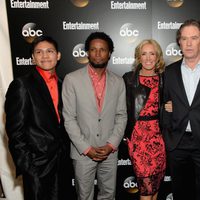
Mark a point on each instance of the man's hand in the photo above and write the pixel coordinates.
(169, 106)
(96, 154)
(99, 153)
(105, 150)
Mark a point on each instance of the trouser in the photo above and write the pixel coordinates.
(184, 164)
(85, 173)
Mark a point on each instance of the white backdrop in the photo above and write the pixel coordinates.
(11, 186)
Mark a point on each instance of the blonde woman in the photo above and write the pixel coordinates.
(144, 101)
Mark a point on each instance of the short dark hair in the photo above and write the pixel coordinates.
(42, 38)
(189, 22)
(102, 36)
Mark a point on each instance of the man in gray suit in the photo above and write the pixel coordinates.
(95, 118)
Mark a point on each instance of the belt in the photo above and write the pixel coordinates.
(147, 118)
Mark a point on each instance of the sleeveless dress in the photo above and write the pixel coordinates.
(146, 146)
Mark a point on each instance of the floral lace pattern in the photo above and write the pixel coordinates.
(146, 146)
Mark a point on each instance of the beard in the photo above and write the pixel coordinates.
(99, 65)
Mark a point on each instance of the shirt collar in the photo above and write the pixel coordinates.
(47, 76)
(93, 73)
(186, 67)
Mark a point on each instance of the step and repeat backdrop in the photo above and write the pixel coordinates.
(127, 23)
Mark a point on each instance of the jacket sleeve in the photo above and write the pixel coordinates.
(17, 112)
(130, 121)
(166, 116)
(128, 102)
(70, 116)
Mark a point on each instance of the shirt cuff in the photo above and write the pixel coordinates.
(113, 148)
(86, 151)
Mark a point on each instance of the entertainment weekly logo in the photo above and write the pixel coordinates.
(21, 61)
(168, 25)
(73, 182)
(116, 5)
(30, 32)
(79, 54)
(29, 4)
(129, 32)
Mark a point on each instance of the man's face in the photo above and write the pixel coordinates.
(190, 42)
(98, 53)
(45, 56)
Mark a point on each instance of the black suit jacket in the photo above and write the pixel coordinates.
(175, 123)
(35, 135)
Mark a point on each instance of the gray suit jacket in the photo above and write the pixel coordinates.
(85, 125)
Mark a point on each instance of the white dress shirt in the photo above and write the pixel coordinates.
(190, 80)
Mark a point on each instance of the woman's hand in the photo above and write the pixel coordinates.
(168, 106)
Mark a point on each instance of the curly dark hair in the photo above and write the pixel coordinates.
(102, 36)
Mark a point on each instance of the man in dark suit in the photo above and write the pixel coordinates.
(182, 126)
(34, 124)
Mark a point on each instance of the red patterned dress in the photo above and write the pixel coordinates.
(146, 147)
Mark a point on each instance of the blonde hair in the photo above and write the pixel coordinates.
(160, 61)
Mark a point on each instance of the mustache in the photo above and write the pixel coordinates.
(99, 65)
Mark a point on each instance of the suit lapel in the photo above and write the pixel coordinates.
(89, 87)
(196, 95)
(181, 89)
(108, 89)
(60, 104)
(44, 91)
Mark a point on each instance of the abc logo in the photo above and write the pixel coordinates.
(79, 54)
(127, 30)
(80, 3)
(175, 3)
(78, 51)
(173, 52)
(169, 197)
(130, 185)
(30, 32)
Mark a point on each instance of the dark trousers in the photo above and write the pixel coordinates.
(184, 164)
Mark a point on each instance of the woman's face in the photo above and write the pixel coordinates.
(148, 58)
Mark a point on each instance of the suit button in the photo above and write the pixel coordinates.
(99, 120)
(97, 135)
